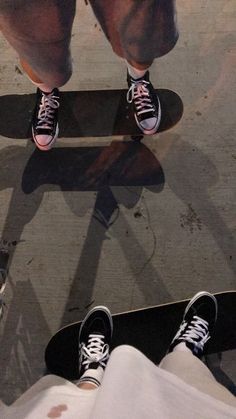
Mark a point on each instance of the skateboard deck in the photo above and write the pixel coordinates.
(94, 113)
(150, 330)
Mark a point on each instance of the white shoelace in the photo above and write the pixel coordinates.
(139, 93)
(197, 329)
(46, 111)
(95, 351)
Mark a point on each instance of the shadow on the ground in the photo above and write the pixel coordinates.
(25, 334)
(191, 181)
(213, 362)
(117, 174)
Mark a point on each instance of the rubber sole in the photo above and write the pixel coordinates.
(48, 146)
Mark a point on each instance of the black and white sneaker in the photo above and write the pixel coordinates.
(145, 102)
(45, 119)
(198, 323)
(94, 343)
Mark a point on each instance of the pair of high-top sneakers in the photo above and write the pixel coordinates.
(96, 333)
(141, 94)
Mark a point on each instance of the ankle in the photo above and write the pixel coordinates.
(91, 378)
(87, 386)
(136, 73)
(181, 347)
(44, 87)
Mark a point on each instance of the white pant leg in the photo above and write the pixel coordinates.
(195, 373)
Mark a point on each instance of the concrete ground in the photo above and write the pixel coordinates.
(135, 244)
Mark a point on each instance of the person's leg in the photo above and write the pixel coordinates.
(45, 87)
(195, 373)
(44, 383)
(40, 33)
(94, 343)
(28, 70)
(139, 31)
(188, 346)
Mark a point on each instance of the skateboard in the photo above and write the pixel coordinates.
(94, 113)
(150, 330)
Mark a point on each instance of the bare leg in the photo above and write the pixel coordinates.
(191, 370)
(35, 79)
(87, 386)
(26, 67)
(141, 67)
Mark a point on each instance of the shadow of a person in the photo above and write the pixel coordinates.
(191, 180)
(117, 174)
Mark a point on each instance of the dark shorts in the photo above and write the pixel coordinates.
(138, 30)
(40, 31)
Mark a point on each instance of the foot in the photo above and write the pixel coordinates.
(198, 323)
(146, 104)
(94, 343)
(45, 119)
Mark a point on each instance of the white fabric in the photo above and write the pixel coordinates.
(132, 388)
(66, 400)
(196, 374)
(135, 73)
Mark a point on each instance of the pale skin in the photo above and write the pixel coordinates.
(33, 76)
(87, 386)
(26, 67)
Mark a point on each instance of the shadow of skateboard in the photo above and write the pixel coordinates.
(94, 113)
(150, 330)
